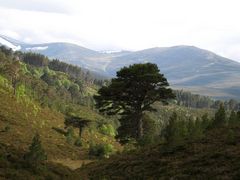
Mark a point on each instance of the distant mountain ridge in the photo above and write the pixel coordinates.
(186, 67)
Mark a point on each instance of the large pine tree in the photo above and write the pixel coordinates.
(131, 93)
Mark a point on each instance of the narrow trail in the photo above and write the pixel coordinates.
(72, 164)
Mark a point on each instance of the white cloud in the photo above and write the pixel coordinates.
(126, 24)
(55, 6)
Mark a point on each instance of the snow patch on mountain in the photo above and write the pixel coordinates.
(9, 44)
(110, 51)
(37, 48)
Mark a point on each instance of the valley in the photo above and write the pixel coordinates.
(56, 109)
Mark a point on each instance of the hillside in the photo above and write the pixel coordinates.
(36, 99)
(186, 67)
(213, 157)
(54, 100)
(189, 68)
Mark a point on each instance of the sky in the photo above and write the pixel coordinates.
(126, 24)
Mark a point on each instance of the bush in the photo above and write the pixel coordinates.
(36, 155)
(70, 135)
(108, 130)
(220, 117)
(7, 128)
(130, 145)
(78, 142)
(231, 137)
(101, 150)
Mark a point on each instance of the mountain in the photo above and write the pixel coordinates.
(186, 67)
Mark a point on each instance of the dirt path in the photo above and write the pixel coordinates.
(72, 164)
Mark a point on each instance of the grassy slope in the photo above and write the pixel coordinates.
(213, 157)
(18, 123)
(12, 166)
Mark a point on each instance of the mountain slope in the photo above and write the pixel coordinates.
(186, 67)
(189, 68)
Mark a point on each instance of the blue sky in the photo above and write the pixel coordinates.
(126, 24)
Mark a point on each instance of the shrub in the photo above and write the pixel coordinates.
(36, 155)
(78, 142)
(108, 130)
(220, 117)
(70, 135)
(175, 131)
(130, 145)
(231, 137)
(101, 150)
(7, 128)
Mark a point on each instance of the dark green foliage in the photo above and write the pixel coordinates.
(35, 59)
(70, 135)
(107, 129)
(220, 117)
(205, 121)
(178, 130)
(193, 100)
(198, 130)
(212, 157)
(151, 135)
(13, 166)
(36, 155)
(6, 129)
(233, 119)
(12, 71)
(191, 127)
(231, 137)
(77, 122)
(101, 150)
(175, 131)
(74, 90)
(127, 129)
(197, 101)
(50, 88)
(78, 142)
(238, 115)
(134, 90)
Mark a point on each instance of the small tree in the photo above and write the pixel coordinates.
(70, 135)
(12, 70)
(74, 90)
(220, 117)
(191, 127)
(205, 121)
(36, 155)
(176, 130)
(233, 119)
(231, 137)
(198, 129)
(170, 129)
(77, 122)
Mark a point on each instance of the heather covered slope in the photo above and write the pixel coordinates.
(216, 156)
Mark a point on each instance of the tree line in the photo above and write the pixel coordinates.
(188, 99)
(33, 74)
